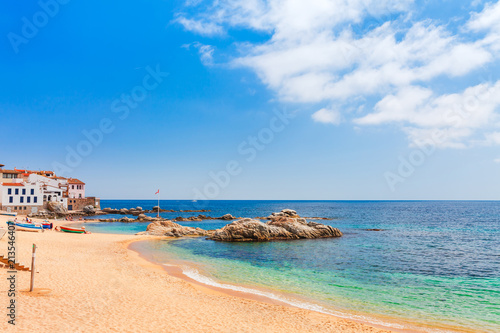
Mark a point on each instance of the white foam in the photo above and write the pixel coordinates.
(196, 275)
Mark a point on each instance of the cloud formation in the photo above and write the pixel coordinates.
(338, 52)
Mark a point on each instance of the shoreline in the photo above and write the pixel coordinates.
(93, 283)
(173, 269)
(177, 272)
(108, 285)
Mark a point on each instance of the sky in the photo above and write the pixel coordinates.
(254, 99)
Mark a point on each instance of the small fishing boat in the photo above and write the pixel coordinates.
(26, 226)
(73, 230)
(8, 213)
(44, 224)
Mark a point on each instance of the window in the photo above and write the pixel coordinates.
(80, 195)
(9, 191)
(24, 191)
(17, 191)
(10, 175)
(11, 199)
(28, 199)
(72, 187)
(35, 199)
(24, 207)
(21, 199)
(32, 191)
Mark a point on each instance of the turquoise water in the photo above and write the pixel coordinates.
(434, 263)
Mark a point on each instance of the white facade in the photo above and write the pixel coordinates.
(20, 197)
(53, 194)
(33, 191)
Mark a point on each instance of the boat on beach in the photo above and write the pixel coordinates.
(73, 230)
(26, 226)
(45, 224)
(8, 213)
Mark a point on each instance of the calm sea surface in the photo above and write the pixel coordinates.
(434, 262)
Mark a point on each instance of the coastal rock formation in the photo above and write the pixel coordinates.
(57, 208)
(90, 210)
(171, 229)
(144, 217)
(279, 228)
(284, 213)
(187, 219)
(227, 217)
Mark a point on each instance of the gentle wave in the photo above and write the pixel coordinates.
(197, 276)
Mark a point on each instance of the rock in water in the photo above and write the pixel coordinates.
(227, 217)
(171, 229)
(284, 213)
(280, 228)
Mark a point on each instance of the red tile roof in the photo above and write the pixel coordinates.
(9, 171)
(12, 184)
(75, 181)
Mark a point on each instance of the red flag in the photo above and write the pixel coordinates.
(157, 192)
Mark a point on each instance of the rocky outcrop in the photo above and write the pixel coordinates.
(138, 211)
(279, 228)
(57, 208)
(171, 229)
(284, 213)
(89, 210)
(187, 219)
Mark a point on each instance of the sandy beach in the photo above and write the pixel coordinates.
(93, 283)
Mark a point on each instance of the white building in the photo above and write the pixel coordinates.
(21, 198)
(25, 191)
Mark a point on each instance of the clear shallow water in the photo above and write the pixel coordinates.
(434, 262)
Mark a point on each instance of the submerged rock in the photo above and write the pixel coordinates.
(279, 228)
(172, 229)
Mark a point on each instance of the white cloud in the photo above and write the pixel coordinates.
(455, 116)
(321, 51)
(200, 27)
(488, 19)
(327, 116)
(206, 52)
(492, 139)
(497, 160)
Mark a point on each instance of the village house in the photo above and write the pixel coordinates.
(27, 191)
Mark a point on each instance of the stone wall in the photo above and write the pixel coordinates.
(79, 203)
(22, 210)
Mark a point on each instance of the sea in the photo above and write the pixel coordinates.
(429, 265)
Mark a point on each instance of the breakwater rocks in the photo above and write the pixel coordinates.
(172, 229)
(198, 218)
(138, 210)
(279, 228)
(145, 218)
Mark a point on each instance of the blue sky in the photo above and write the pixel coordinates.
(238, 99)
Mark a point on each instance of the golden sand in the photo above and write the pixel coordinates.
(93, 283)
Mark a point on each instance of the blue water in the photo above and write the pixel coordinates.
(434, 263)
